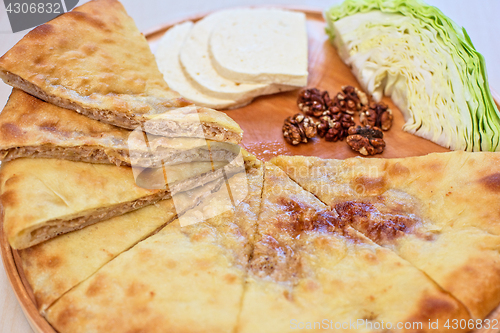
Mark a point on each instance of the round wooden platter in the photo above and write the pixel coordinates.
(261, 122)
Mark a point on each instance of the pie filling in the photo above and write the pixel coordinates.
(276, 254)
(118, 157)
(57, 227)
(79, 154)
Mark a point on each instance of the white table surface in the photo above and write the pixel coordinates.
(478, 17)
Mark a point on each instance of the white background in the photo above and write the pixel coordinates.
(479, 17)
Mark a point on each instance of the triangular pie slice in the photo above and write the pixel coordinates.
(94, 60)
(30, 127)
(440, 212)
(181, 279)
(309, 268)
(57, 265)
(63, 196)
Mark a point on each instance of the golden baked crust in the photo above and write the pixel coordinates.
(439, 212)
(181, 279)
(57, 265)
(308, 266)
(63, 196)
(94, 60)
(253, 269)
(28, 122)
(30, 127)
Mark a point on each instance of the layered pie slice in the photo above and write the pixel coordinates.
(182, 278)
(57, 265)
(63, 196)
(94, 60)
(438, 212)
(30, 127)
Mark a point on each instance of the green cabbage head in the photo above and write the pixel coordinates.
(412, 52)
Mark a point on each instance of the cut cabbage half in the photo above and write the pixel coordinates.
(412, 52)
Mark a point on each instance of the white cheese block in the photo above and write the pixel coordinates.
(196, 61)
(167, 57)
(261, 46)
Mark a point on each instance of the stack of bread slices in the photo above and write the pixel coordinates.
(92, 131)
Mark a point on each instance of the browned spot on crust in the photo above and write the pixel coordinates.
(9, 198)
(145, 254)
(312, 285)
(323, 243)
(40, 60)
(370, 257)
(230, 278)
(89, 49)
(41, 31)
(134, 289)
(171, 264)
(51, 262)
(370, 315)
(64, 317)
(97, 286)
(200, 236)
(288, 295)
(491, 182)
(369, 186)
(431, 307)
(435, 166)
(398, 170)
(203, 264)
(376, 225)
(9, 130)
(89, 19)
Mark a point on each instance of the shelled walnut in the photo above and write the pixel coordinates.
(334, 127)
(377, 114)
(299, 128)
(336, 119)
(311, 102)
(366, 140)
(350, 100)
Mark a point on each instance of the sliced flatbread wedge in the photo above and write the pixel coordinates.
(309, 268)
(183, 278)
(94, 60)
(30, 127)
(57, 265)
(439, 212)
(43, 198)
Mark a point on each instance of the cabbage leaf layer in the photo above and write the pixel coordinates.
(412, 52)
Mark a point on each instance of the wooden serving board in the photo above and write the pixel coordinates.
(262, 121)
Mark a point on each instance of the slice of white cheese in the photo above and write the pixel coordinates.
(261, 46)
(167, 57)
(196, 61)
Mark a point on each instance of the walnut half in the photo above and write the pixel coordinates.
(377, 114)
(366, 140)
(299, 128)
